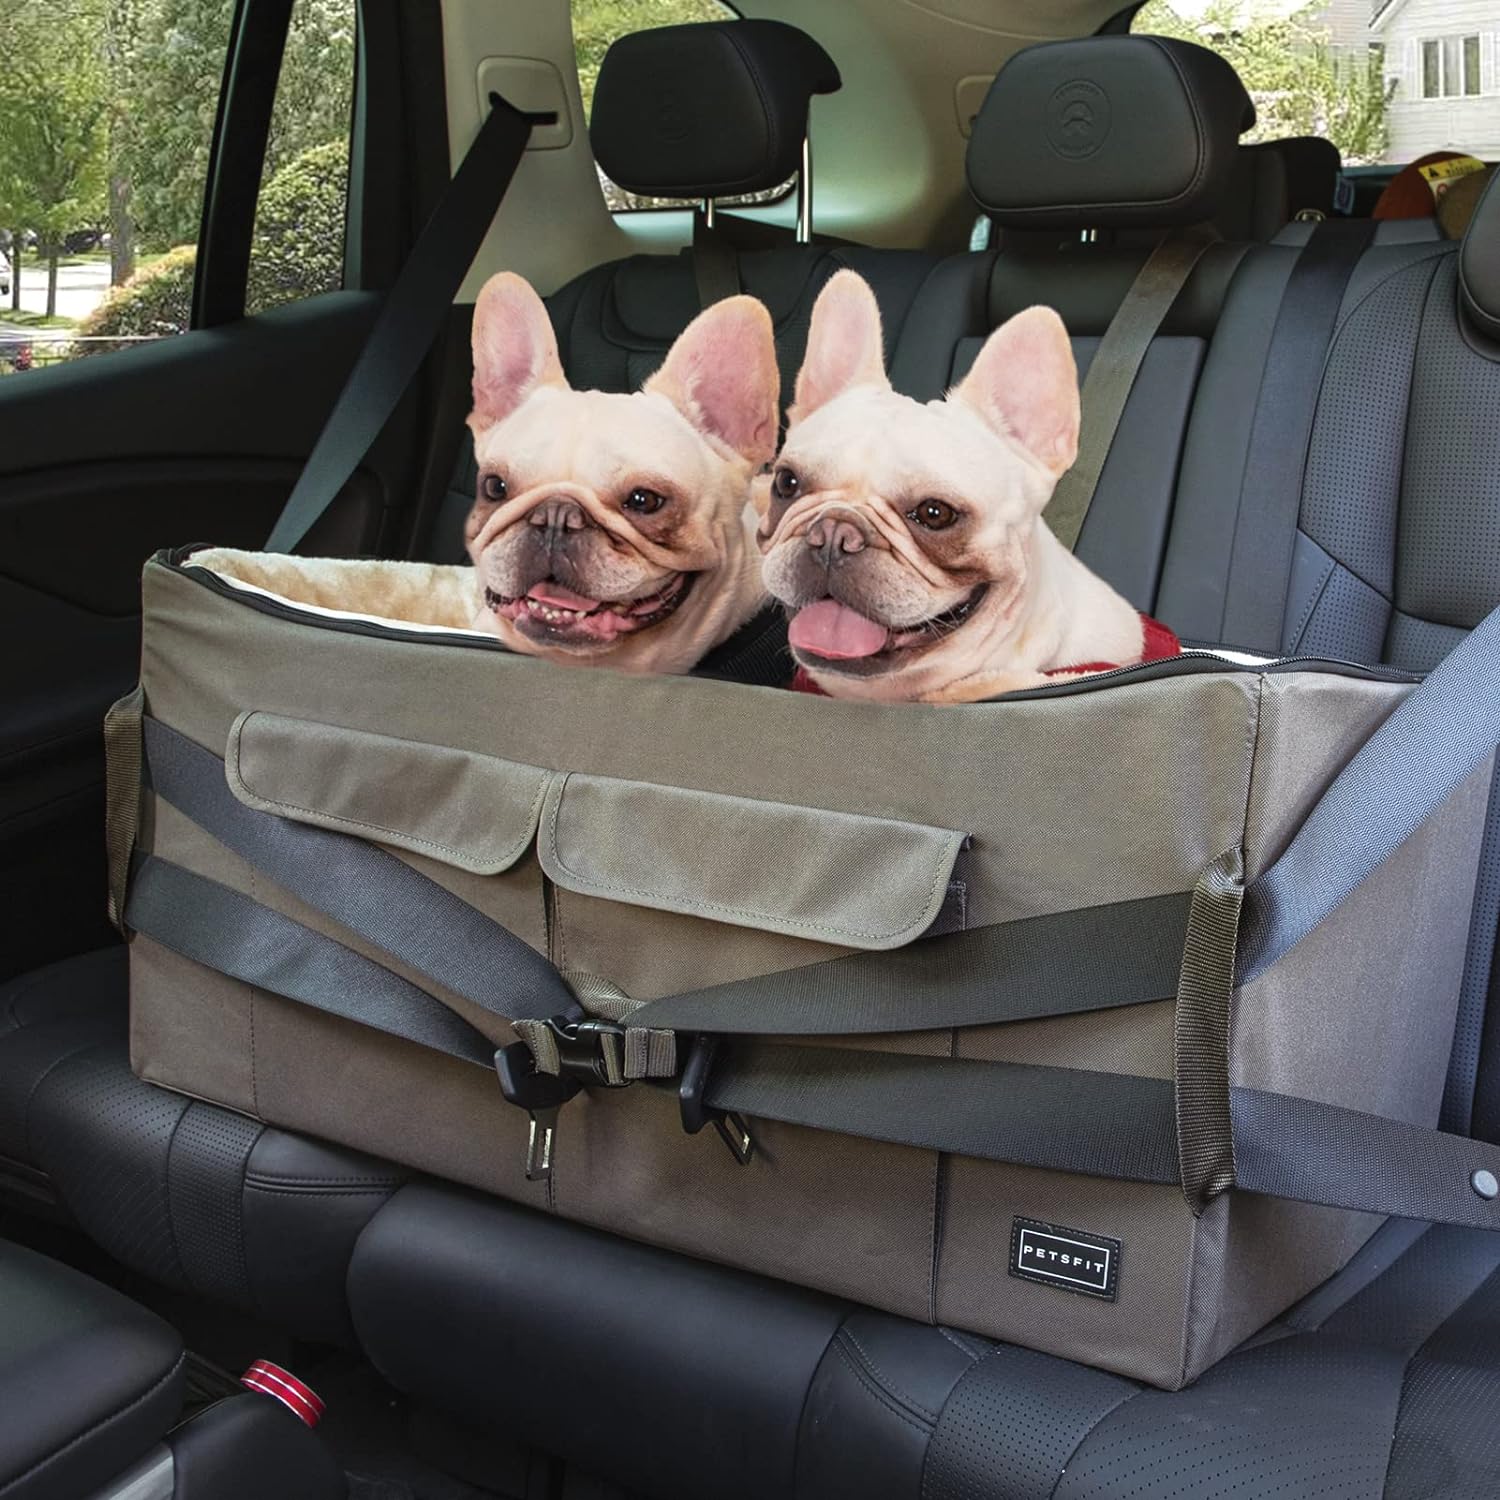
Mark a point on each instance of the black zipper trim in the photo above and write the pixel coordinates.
(1189, 663)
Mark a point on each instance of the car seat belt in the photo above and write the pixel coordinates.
(1265, 529)
(414, 310)
(1116, 363)
(716, 263)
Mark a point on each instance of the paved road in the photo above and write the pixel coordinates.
(80, 288)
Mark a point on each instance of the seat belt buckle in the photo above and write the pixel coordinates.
(697, 1112)
(542, 1096)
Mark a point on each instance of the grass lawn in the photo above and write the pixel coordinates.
(24, 319)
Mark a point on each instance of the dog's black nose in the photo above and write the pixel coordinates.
(558, 514)
(833, 538)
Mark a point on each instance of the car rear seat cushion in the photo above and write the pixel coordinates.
(683, 1378)
(192, 1195)
(88, 1380)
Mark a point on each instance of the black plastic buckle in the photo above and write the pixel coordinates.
(696, 1112)
(580, 1050)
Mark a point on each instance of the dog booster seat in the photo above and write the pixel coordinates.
(1107, 1018)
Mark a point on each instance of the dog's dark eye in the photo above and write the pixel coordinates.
(644, 502)
(492, 487)
(785, 485)
(932, 515)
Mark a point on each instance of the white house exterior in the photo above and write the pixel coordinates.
(1444, 58)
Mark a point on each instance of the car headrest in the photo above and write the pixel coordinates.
(1108, 132)
(711, 109)
(1479, 263)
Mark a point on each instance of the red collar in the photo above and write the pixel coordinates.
(1158, 644)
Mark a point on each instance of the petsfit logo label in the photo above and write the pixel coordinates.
(1071, 1259)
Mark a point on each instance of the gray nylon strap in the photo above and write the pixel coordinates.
(371, 892)
(122, 777)
(1205, 1142)
(716, 264)
(1103, 1124)
(227, 931)
(1265, 530)
(1112, 374)
(1096, 958)
(1436, 738)
(1319, 1153)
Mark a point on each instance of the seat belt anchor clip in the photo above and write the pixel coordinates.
(697, 1112)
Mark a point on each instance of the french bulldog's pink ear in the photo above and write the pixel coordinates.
(1025, 383)
(721, 374)
(844, 346)
(515, 349)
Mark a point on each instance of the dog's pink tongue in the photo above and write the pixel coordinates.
(831, 629)
(558, 597)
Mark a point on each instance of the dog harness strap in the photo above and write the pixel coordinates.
(413, 311)
(1111, 375)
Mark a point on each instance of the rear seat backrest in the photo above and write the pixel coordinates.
(1161, 122)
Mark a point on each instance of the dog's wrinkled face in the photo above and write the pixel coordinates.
(611, 527)
(900, 535)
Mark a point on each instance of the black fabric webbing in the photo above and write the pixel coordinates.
(1102, 1124)
(1320, 1153)
(409, 320)
(1096, 958)
(1260, 566)
(228, 932)
(716, 264)
(1111, 375)
(371, 892)
(756, 654)
(1201, 1032)
(1434, 740)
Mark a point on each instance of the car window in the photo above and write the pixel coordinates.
(298, 249)
(106, 116)
(1317, 71)
(598, 23)
(107, 111)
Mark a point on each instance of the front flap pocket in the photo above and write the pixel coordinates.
(805, 872)
(476, 812)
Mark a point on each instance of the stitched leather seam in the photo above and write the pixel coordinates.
(847, 1334)
(284, 1192)
(975, 1355)
(103, 1422)
(273, 1179)
(879, 1395)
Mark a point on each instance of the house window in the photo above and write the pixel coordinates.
(1450, 67)
(1432, 70)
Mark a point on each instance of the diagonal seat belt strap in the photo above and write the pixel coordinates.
(1116, 363)
(369, 891)
(1436, 738)
(1265, 528)
(413, 312)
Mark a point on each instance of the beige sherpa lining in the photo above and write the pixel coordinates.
(432, 596)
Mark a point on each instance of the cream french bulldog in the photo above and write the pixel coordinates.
(906, 540)
(611, 529)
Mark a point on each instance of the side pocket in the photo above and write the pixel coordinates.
(805, 872)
